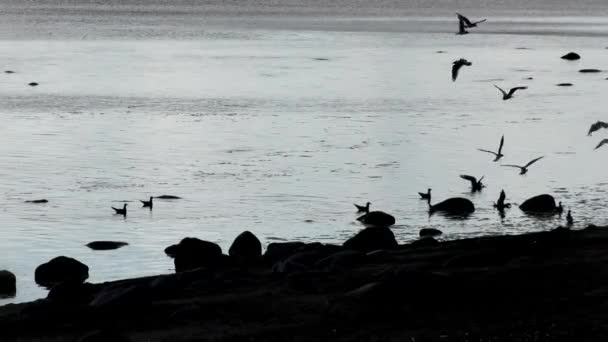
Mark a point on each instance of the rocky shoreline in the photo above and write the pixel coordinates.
(545, 286)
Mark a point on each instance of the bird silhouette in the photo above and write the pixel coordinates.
(505, 95)
(147, 204)
(524, 169)
(467, 23)
(425, 196)
(605, 141)
(122, 211)
(500, 204)
(569, 219)
(363, 209)
(498, 154)
(457, 65)
(597, 126)
(476, 185)
(461, 26)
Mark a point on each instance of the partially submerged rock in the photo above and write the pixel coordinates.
(454, 206)
(586, 71)
(539, 204)
(61, 269)
(571, 56)
(371, 239)
(564, 84)
(8, 284)
(105, 245)
(429, 232)
(37, 201)
(167, 197)
(377, 219)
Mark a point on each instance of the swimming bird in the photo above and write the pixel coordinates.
(425, 196)
(569, 219)
(499, 153)
(476, 185)
(524, 169)
(500, 204)
(363, 209)
(461, 27)
(596, 126)
(467, 22)
(377, 219)
(505, 95)
(147, 204)
(122, 211)
(457, 65)
(605, 141)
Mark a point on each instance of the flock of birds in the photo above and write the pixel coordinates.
(145, 204)
(463, 206)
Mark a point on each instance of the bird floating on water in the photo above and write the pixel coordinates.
(426, 195)
(457, 65)
(147, 204)
(466, 22)
(500, 204)
(122, 211)
(597, 126)
(363, 209)
(499, 153)
(505, 95)
(605, 141)
(524, 169)
(476, 185)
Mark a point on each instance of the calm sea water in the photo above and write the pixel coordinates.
(275, 119)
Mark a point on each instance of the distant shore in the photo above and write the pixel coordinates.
(545, 286)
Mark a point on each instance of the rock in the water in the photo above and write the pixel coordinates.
(8, 284)
(371, 239)
(105, 245)
(585, 71)
(192, 253)
(37, 201)
(539, 204)
(32, 84)
(377, 219)
(565, 84)
(167, 197)
(454, 206)
(61, 269)
(9, 72)
(429, 232)
(103, 336)
(246, 246)
(571, 56)
(278, 251)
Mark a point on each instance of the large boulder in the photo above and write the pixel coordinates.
(571, 56)
(61, 269)
(8, 284)
(278, 251)
(105, 245)
(341, 260)
(71, 293)
(246, 247)
(371, 239)
(192, 253)
(539, 204)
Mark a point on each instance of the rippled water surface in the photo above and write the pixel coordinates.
(277, 126)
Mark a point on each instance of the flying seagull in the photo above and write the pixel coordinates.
(476, 185)
(461, 27)
(467, 22)
(500, 204)
(524, 169)
(596, 126)
(506, 96)
(457, 65)
(605, 141)
(499, 153)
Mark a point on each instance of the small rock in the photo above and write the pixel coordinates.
(9, 72)
(539, 204)
(565, 84)
(589, 70)
(167, 197)
(8, 284)
(246, 246)
(105, 245)
(571, 56)
(37, 201)
(371, 239)
(32, 84)
(425, 242)
(429, 232)
(61, 269)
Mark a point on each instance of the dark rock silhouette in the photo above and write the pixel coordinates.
(192, 253)
(71, 293)
(565, 84)
(424, 232)
(453, 206)
(105, 245)
(586, 71)
(8, 284)
(371, 239)
(103, 336)
(37, 201)
(246, 247)
(61, 269)
(341, 260)
(32, 84)
(167, 197)
(9, 72)
(426, 241)
(540, 204)
(377, 219)
(571, 56)
(278, 251)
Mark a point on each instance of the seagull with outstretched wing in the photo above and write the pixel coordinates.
(597, 126)
(476, 185)
(605, 141)
(524, 169)
(457, 65)
(498, 154)
(467, 22)
(505, 95)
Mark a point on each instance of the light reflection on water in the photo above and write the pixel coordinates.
(280, 135)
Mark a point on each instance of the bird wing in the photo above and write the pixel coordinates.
(534, 161)
(502, 197)
(494, 153)
(479, 22)
(464, 19)
(455, 69)
(509, 165)
(461, 27)
(469, 178)
(502, 91)
(513, 90)
(605, 141)
(594, 127)
(502, 142)
(480, 179)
